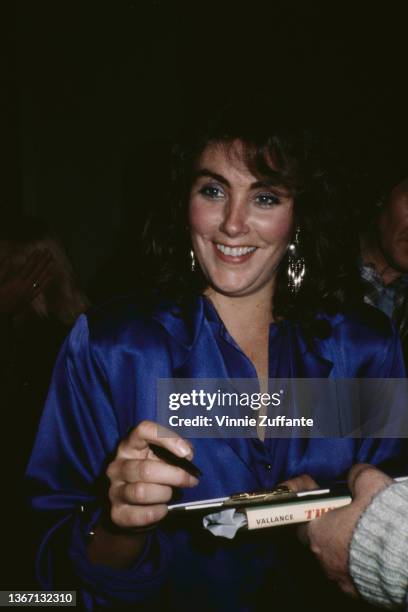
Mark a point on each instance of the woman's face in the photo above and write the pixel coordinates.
(240, 224)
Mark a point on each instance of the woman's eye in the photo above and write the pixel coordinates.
(267, 199)
(210, 191)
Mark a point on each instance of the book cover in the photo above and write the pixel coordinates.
(274, 515)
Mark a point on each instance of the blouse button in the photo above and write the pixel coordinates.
(268, 467)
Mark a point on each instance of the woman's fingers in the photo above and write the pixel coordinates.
(141, 482)
(144, 493)
(127, 516)
(159, 472)
(148, 432)
(301, 483)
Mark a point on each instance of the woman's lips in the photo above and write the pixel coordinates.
(235, 257)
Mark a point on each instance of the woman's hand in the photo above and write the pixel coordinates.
(141, 484)
(301, 483)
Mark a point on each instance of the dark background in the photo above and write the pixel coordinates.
(93, 92)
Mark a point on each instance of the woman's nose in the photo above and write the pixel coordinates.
(235, 219)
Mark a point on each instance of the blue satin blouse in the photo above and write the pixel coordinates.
(104, 384)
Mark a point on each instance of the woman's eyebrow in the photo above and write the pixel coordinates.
(263, 184)
(211, 174)
(268, 183)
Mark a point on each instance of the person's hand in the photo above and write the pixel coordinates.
(141, 484)
(301, 483)
(19, 289)
(329, 536)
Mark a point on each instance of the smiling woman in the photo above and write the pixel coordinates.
(264, 299)
(240, 226)
(245, 182)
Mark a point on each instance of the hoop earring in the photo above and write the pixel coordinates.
(193, 262)
(296, 265)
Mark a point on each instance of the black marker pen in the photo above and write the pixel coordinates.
(172, 459)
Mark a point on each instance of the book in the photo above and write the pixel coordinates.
(302, 509)
(272, 508)
(277, 496)
(274, 515)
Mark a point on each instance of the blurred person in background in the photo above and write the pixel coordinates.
(39, 301)
(363, 548)
(380, 198)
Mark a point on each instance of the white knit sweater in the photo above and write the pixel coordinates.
(379, 548)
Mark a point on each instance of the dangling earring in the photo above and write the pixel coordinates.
(296, 265)
(193, 263)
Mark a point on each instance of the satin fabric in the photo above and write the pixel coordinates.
(104, 384)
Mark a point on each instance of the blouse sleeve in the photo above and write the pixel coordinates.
(78, 433)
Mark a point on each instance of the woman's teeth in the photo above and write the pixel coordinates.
(235, 251)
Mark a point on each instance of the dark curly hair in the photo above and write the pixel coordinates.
(296, 153)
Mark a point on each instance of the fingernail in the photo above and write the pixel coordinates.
(183, 448)
(192, 481)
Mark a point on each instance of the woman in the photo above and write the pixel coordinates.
(252, 299)
(39, 302)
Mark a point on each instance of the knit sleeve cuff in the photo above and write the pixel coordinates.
(379, 548)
